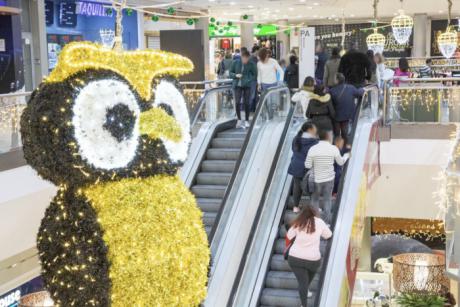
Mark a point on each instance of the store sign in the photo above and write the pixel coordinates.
(307, 54)
(49, 12)
(10, 299)
(266, 30)
(67, 15)
(93, 9)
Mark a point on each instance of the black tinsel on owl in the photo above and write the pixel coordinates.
(110, 129)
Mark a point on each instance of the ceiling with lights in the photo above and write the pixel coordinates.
(319, 10)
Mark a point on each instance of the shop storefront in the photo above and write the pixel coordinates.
(68, 21)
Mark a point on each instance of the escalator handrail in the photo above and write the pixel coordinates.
(260, 207)
(325, 257)
(260, 106)
(203, 99)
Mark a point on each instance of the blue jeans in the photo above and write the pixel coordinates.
(253, 98)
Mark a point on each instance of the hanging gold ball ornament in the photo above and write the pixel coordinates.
(402, 27)
(376, 42)
(448, 42)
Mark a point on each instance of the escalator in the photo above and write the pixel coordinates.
(264, 278)
(216, 171)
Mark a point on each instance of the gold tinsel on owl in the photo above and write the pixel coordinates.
(110, 129)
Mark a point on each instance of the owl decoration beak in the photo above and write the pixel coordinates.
(156, 123)
(138, 67)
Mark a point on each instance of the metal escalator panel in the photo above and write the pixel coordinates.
(215, 173)
(234, 220)
(265, 278)
(342, 254)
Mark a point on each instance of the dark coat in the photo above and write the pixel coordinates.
(319, 71)
(343, 99)
(249, 73)
(297, 166)
(321, 112)
(291, 76)
(356, 68)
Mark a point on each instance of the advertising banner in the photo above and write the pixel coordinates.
(307, 54)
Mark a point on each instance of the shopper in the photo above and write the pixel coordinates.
(237, 55)
(304, 254)
(426, 71)
(402, 73)
(331, 68)
(320, 110)
(355, 66)
(380, 61)
(339, 142)
(321, 56)
(303, 96)
(291, 75)
(243, 73)
(321, 158)
(267, 69)
(227, 63)
(344, 99)
(220, 66)
(372, 75)
(304, 140)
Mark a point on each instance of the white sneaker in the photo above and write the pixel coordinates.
(239, 124)
(309, 295)
(246, 124)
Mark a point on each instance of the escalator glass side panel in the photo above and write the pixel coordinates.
(273, 109)
(342, 252)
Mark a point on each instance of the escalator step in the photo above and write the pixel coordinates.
(227, 143)
(209, 191)
(282, 298)
(233, 134)
(223, 153)
(287, 280)
(277, 263)
(213, 178)
(209, 204)
(226, 166)
(209, 218)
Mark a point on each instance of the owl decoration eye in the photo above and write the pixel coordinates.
(106, 123)
(169, 97)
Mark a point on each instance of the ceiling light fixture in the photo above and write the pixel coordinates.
(402, 26)
(376, 41)
(448, 41)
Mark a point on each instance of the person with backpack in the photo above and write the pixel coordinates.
(304, 256)
(304, 140)
(320, 110)
(344, 99)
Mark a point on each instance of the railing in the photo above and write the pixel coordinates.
(12, 105)
(422, 100)
(438, 62)
(449, 204)
(344, 217)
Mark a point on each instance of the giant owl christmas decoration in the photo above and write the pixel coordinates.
(110, 129)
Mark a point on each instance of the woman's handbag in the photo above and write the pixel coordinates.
(289, 244)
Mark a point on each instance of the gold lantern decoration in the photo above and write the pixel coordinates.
(448, 41)
(420, 273)
(376, 41)
(402, 27)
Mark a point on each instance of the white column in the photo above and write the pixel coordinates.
(140, 30)
(203, 24)
(421, 28)
(247, 33)
(283, 39)
(40, 45)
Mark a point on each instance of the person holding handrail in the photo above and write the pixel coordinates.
(304, 256)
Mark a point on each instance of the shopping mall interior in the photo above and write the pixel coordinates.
(235, 153)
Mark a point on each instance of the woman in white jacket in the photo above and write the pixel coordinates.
(302, 97)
